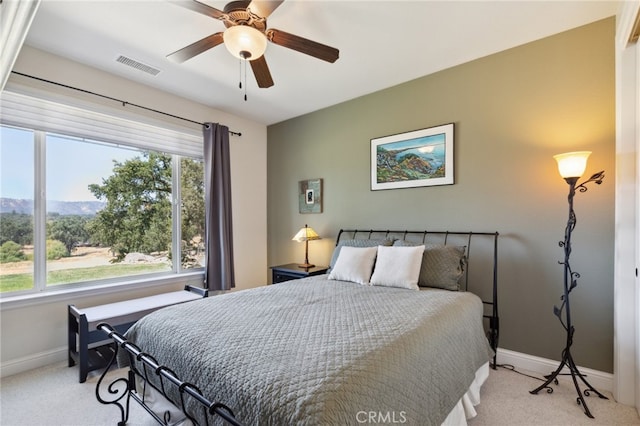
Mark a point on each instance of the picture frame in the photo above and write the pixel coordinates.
(413, 159)
(310, 196)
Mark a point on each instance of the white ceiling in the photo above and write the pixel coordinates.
(382, 43)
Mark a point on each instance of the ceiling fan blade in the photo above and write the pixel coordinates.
(196, 48)
(261, 72)
(196, 6)
(303, 45)
(264, 8)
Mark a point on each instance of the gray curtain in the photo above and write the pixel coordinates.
(219, 274)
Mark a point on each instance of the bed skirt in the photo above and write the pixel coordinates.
(465, 408)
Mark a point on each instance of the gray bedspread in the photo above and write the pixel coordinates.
(320, 352)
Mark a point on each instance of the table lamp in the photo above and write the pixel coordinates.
(306, 234)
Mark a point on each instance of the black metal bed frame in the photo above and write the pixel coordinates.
(165, 382)
(493, 320)
(121, 390)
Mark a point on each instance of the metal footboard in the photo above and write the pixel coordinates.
(186, 397)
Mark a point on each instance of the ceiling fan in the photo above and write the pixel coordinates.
(247, 34)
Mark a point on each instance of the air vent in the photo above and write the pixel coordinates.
(137, 65)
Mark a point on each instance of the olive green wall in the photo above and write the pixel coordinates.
(512, 112)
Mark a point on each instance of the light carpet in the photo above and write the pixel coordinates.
(505, 400)
(52, 396)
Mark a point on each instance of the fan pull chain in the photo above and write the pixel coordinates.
(245, 80)
(241, 63)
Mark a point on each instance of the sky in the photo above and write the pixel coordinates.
(438, 139)
(72, 165)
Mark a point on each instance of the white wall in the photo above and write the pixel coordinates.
(33, 331)
(626, 323)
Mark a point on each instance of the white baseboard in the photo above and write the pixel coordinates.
(542, 366)
(529, 363)
(30, 362)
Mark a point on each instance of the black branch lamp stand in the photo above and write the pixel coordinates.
(571, 166)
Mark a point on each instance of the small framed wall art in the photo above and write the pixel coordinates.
(310, 196)
(418, 158)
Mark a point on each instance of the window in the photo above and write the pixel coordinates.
(192, 213)
(108, 211)
(16, 209)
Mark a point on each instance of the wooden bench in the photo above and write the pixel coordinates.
(90, 348)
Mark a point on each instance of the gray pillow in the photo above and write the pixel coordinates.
(442, 265)
(357, 243)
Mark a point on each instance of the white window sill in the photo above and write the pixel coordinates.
(68, 293)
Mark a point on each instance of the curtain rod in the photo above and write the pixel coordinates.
(124, 103)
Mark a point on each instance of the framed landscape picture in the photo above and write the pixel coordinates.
(418, 158)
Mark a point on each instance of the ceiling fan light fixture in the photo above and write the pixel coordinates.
(245, 42)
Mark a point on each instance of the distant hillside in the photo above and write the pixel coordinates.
(9, 205)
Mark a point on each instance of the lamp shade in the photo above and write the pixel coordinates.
(245, 42)
(306, 234)
(572, 164)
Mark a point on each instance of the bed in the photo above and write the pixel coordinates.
(327, 349)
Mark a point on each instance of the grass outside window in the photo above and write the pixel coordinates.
(18, 282)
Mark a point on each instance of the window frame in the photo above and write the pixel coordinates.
(170, 138)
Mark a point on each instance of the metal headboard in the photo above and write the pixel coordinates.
(487, 261)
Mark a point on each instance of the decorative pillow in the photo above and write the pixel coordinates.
(398, 267)
(406, 243)
(354, 264)
(357, 243)
(442, 265)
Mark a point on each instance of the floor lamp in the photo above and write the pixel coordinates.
(571, 166)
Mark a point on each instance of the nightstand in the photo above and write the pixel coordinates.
(291, 271)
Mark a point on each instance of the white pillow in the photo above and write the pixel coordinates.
(354, 264)
(398, 267)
